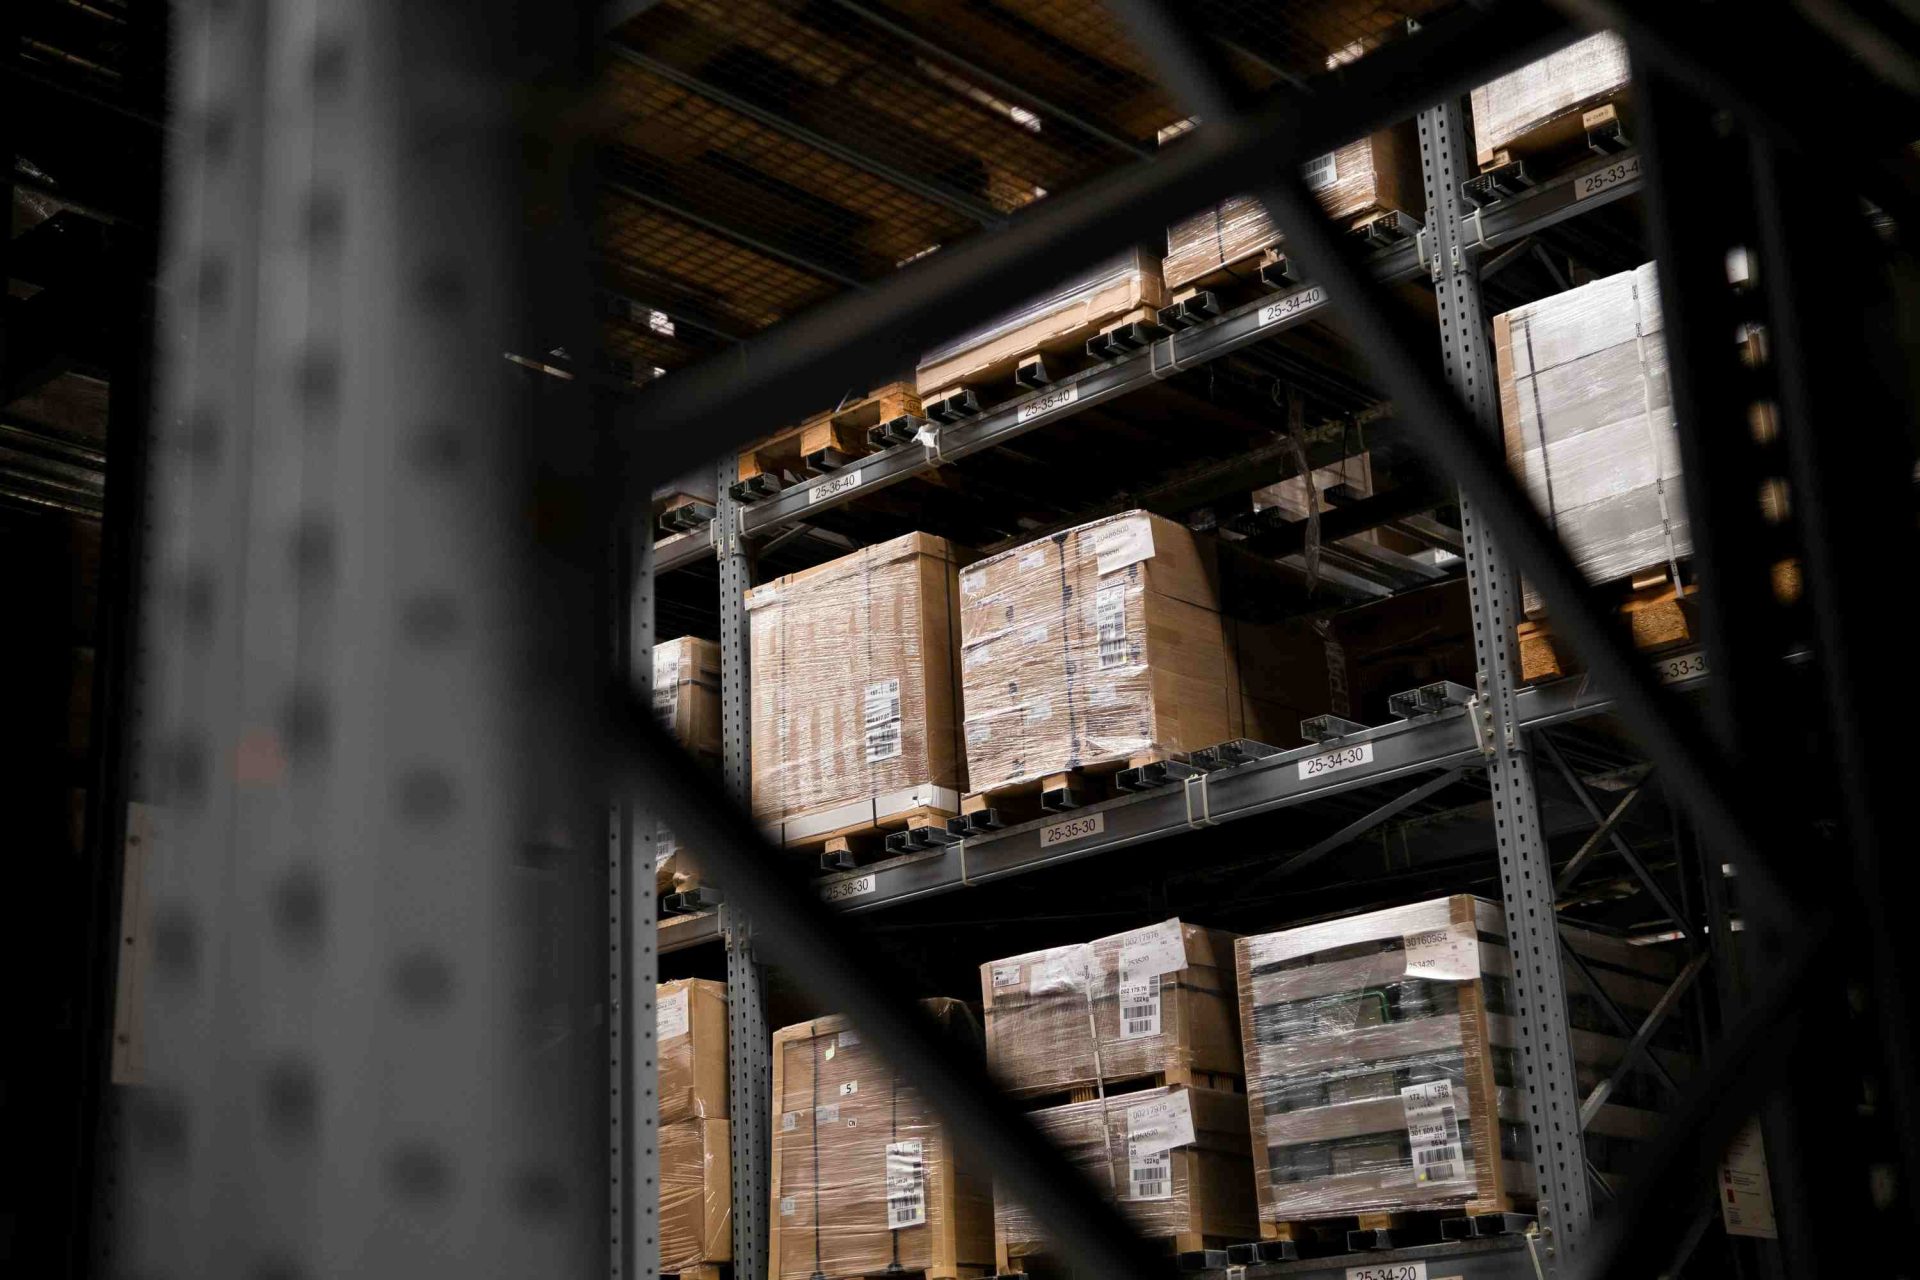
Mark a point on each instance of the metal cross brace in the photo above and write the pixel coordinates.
(1640, 1045)
(1616, 1015)
(1608, 829)
(1361, 825)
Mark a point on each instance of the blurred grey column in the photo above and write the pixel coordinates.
(376, 893)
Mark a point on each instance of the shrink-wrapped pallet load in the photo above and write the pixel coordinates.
(1382, 1062)
(866, 1180)
(696, 1197)
(855, 697)
(1095, 645)
(1152, 1001)
(1564, 85)
(1587, 416)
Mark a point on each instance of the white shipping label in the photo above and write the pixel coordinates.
(788, 1206)
(1613, 175)
(881, 719)
(1124, 542)
(828, 1055)
(1292, 305)
(1039, 709)
(1334, 761)
(1159, 948)
(848, 1039)
(1110, 618)
(1006, 975)
(1746, 1194)
(1160, 1125)
(1149, 1174)
(849, 1087)
(1433, 1132)
(1451, 954)
(1140, 1007)
(1061, 970)
(906, 1184)
(979, 733)
(1072, 829)
(1035, 634)
(845, 482)
(670, 1017)
(1320, 172)
(1040, 406)
(1390, 1271)
(789, 1122)
(666, 682)
(976, 655)
(829, 1114)
(1033, 560)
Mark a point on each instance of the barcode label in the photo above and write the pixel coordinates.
(1149, 1174)
(1006, 975)
(829, 1114)
(670, 1017)
(1140, 1008)
(1320, 172)
(787, 1206)
(1433, 1132)
(1110, 617)
(881, 718)
(666, 685)
(906, 1184)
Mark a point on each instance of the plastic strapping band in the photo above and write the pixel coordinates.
(929, 437)
(962, 847)
(1174, 364)
(1198, 782)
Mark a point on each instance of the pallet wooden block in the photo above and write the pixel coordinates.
(865, 1180)
(828, 441)
(1192, 1196)
(1383, 1071)
(855, 695)
(1662, 615)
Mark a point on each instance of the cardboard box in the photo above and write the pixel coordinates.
(865, 1179)
(1093, 645)
(690, 1044)
(1563, 84)
(1187, 1192)
(855, 698)
(696, 1195)
(1382, 1070)
(686, 693)
(1178, 1015)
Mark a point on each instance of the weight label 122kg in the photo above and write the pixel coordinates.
(1072, 829)
(1334, 761)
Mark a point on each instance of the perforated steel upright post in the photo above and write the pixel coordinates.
(749, 1078)
(370, 1047)
(1526, 874)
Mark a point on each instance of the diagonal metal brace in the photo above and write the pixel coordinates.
(1615, 1014)
(1582, 856)
(1361, 825)
(1643, 1038)
(1620, 846)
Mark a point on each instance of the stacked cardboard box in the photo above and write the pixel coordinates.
(1376, 173)
(1588, 420)
(1174, 1159)
(855, 701)
(1094, 645)
(1153, 1001)
(1581, 77)
(696, 1195)
(866, 1180)
(686, 693)
(1381, 1062)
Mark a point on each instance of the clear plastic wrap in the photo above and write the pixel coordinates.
(1359, 178)
(1371, 1080)
(865, 1179)
(690, 1040)
(1068, 313)
(1150, 1000)
(1091, 645)
(686, 693)
(1174, 1159)
(674, 869)
(1588, 420)
(696, 1195)
(855, 700)
(1573, 79)
(1382, 1069)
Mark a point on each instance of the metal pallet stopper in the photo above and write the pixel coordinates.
(1503, 182)
(901, 430)
(1329, 728)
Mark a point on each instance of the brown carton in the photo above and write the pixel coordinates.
(696, 1195)
(691, 1044)
(866, 1180)
(686, 693)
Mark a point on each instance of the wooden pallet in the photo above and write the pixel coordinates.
(1661, 613)
(1356, 1232)
(824, 442)
(1040, 1098)
(1053, 793)
(678, 512)
(704, 1271)
(1022, 1258)
(863, 838)
(1268, 269)
(1048, 361)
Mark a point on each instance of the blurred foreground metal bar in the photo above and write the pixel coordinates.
(833, 956)
(852, 341)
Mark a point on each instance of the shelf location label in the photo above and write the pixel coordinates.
(1072, 829)
(1334, 761)
(1592, 184)
(1389, 1271)
(841, 890)
(1292, 304)
(1681, 666)
(840, 484)
(1040, 406)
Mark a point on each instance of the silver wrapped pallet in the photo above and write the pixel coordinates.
(1560, 86)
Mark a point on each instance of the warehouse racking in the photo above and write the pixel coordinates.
(1456, 749)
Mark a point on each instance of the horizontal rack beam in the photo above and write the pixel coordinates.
(1393, 751)
(1554, 201)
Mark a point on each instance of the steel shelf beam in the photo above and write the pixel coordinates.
(1495, 226)
(1402, 750)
